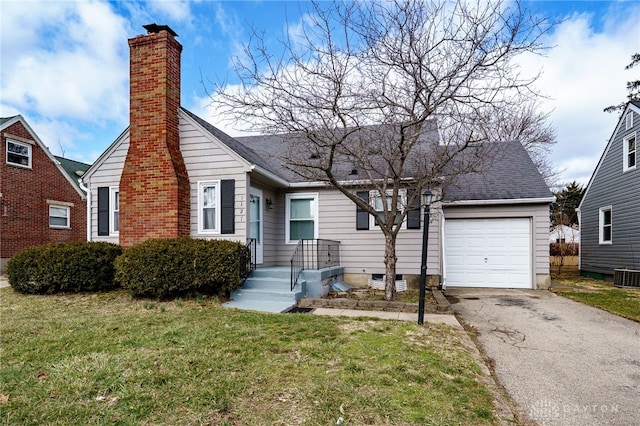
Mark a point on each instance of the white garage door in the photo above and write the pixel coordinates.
(488, 253)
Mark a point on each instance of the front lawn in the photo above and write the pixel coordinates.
(624, 302)
(108, 359)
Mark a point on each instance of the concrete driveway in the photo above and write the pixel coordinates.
(564, 363)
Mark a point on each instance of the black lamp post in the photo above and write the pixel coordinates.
(423, 264)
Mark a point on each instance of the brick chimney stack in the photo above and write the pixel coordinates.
(154, 186)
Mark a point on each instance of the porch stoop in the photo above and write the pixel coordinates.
(267, 290)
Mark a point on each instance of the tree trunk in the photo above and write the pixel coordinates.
(390, 266)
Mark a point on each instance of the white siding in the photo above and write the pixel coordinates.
(362, 252)
(107, 174)
(206, 158)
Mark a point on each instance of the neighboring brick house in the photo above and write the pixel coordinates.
(40, 198)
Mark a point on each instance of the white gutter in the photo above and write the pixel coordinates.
(496, 202)
(84, 188)
(270, 175)
(358, 182)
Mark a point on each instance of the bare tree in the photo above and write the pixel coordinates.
(531, 127)
(633, 87)
(387, 96)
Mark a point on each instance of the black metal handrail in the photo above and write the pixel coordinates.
(313, 254)
(247, 259)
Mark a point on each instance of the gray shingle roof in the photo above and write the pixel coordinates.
(508, 173)
(272, 149)
(275, 148)
(244, 151)
(505, 169)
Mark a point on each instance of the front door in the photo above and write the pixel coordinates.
(255, 221)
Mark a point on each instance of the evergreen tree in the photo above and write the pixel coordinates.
(563, 210)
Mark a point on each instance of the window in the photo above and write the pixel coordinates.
(18, 154)
(301, 217)
(606, 227)
(376, 201)
(630, 152)
(114, 211)
(208, 209)
(59, 216)
(629, 121)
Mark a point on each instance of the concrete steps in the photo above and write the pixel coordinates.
(267, 290)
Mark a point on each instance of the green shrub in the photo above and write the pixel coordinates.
(64, 268)
(166, 268)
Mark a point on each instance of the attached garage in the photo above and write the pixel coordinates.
(492, 252)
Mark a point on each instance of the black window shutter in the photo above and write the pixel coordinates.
(413, 215)
(227, 206)
(362, 217)
(103, 210)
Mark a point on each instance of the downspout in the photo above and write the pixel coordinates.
(579, 214)
(443, 283)
(85, 189)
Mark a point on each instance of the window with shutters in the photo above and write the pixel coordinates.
(377, 203)
(209, 207)
(114, 210)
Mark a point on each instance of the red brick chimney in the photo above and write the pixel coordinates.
(154, 186)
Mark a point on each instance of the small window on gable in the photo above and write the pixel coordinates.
(59, 216)
(629, 120)
(18, 154)
(630, 152)
(606, 225)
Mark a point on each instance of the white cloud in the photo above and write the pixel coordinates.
(201, 106)
(176, 10)
(583, 74)
(75, 68)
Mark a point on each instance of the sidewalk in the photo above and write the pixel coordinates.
(403, 316)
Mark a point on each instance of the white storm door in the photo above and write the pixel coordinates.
(255, 221)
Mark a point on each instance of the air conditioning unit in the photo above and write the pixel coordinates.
(626, 278)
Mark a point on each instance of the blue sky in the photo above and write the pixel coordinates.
(64, 65)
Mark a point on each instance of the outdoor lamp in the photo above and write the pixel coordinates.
(427, 198)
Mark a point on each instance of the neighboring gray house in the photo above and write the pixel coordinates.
(490, 230)
(609, 213)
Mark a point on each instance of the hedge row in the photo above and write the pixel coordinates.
(161, 268)
(181, 266)
(64, 268)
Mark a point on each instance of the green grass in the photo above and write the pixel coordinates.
(603, 295)
(108, 359)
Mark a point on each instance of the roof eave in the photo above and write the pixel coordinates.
(543, 200)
